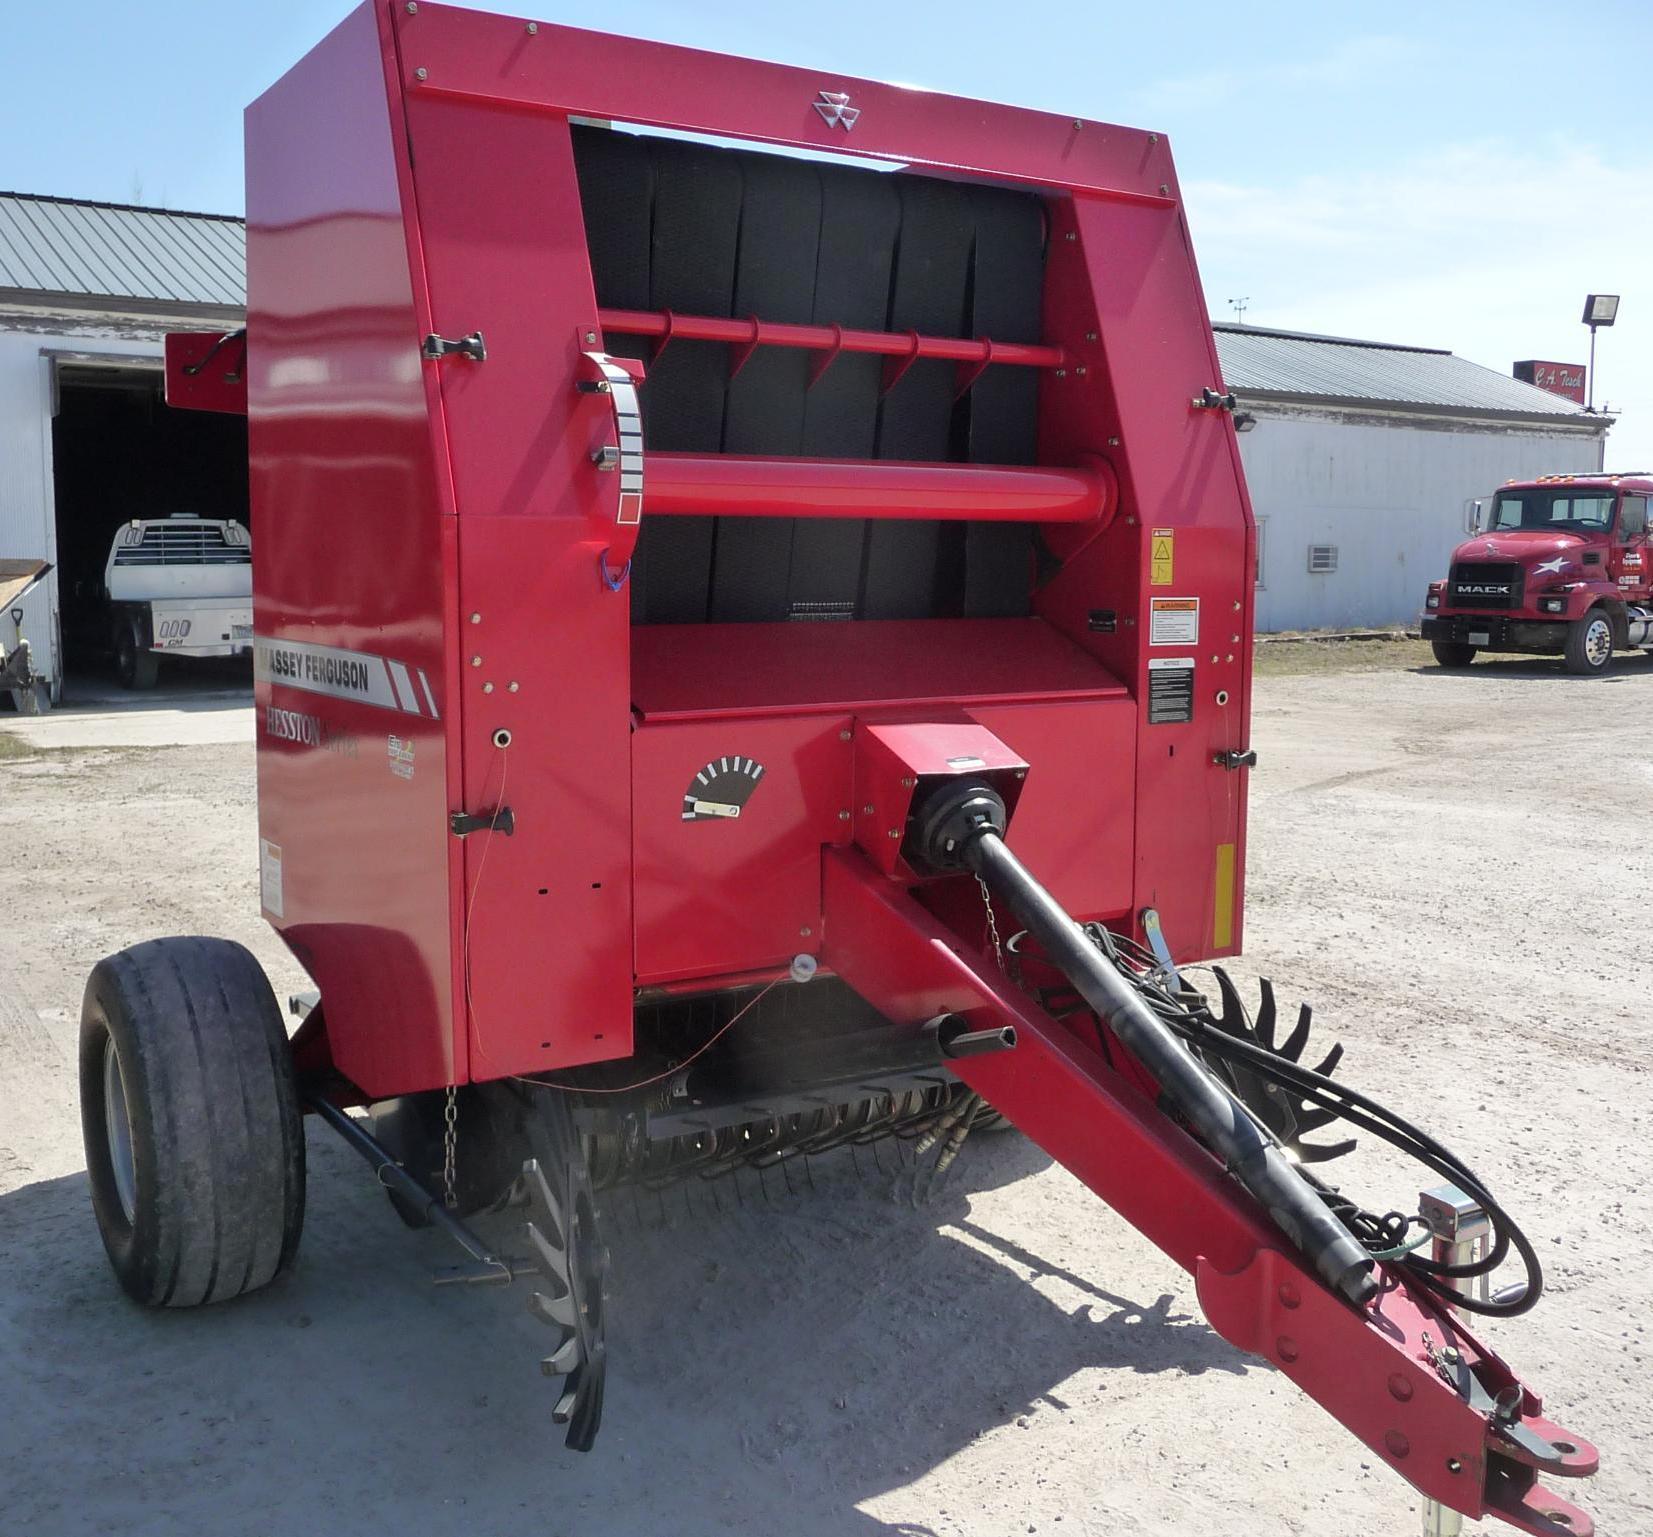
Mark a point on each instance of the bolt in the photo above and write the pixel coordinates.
(1165, 189)
(421, 74)
(1290, 1297)
(1153, 138)
(1061, 373)
(476, 661)
(1230, 656)
(1236, 607)
(412, 7)
(844, 736)
(1130, 522)
(868, 809)
(513, 685)
(1078, 123)
(1452, 1355)
(843, 816)
(591, 336)
(476, 618)
(1286, 1348)
(533, 29)
(1213, 658)
(1400, 1386)
(895, 832)
(1071, 235)
(1113, 442)
(1081, 369)
(908, 783)
(804, 931)
(1453, 1465)
(1090, 336)
(1398, 1445)
(487, 688)
(1234, 640)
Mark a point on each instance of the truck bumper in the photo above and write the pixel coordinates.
(1497, 632)
(201, 627)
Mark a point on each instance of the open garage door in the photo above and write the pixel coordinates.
(119, 452)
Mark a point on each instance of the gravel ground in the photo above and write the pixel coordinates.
(1448, 866)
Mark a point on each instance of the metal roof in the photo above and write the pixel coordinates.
(63, 246)
(1262, 363)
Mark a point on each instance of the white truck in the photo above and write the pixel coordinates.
(178, 586)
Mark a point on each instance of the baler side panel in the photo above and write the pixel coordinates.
(1124, 274)
(545, 942)
(350, 571)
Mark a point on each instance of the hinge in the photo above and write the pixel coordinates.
(463, 823)
(472, 347)
(1234, 759)
(1209, 400)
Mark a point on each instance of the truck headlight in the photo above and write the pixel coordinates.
(1432, 601)
(1552, 605)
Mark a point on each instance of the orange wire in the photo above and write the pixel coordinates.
(643, 1083)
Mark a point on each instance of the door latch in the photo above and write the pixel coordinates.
(1235, 759)
(472, 347)
(463, 823)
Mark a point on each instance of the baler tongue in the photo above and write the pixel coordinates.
(1145, 1096)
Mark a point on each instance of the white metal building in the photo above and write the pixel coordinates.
(1366, 461)
(87, 294)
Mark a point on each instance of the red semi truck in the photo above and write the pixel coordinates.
(1562, 566)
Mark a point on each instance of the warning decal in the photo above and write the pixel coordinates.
(1174, 622)
(269, 878)
(1161, 557)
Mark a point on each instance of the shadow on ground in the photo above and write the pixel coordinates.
(775, 1361)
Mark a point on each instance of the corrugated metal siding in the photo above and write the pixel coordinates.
(97, 250)
(1290, 363)
(1393, 500)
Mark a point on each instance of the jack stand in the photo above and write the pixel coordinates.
(1461, 1232)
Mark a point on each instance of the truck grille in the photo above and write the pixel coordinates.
(183, 543)
(1485, 584)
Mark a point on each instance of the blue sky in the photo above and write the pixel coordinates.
(1451, 175)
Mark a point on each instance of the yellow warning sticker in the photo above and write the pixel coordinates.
(1162, 557)
(1222, 918)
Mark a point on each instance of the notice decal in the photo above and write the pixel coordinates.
(1170, 690)
(1174, 622)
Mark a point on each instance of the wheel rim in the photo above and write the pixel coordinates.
(1598, 642)
(117, 1127)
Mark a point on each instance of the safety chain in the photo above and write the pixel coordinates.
(450, 1137)
(992, 924)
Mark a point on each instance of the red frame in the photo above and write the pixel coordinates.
(440, 568)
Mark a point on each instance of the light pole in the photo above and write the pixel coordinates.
(1599, 310)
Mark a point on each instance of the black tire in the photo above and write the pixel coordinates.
(203, 1198)
(1589, 651)
(1452, 653)
(136, 666)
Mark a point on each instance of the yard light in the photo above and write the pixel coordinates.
(1599, 310)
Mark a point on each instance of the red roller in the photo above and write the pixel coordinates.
(761, 487)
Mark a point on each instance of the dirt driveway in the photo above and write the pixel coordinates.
(1454, 869)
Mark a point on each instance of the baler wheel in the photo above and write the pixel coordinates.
(190, 1113)
(566, 1247)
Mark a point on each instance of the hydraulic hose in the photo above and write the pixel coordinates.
(1219, 1119)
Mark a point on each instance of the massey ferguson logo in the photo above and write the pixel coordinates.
(834, 107)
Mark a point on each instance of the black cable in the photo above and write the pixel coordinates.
(1378, 1232)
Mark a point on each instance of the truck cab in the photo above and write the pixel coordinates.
(178, 586)
(1560, 566)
